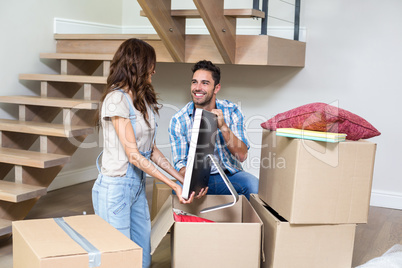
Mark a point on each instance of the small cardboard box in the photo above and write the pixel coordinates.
(303, 246)
(44, 244)
(311, 182)
(233, 240)
(160, 193)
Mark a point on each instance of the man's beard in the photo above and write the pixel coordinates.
(205, 102)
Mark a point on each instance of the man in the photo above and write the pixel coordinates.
(231, 143)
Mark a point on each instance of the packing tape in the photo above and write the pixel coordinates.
(93, 253)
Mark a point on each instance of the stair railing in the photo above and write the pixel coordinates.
(264, 21)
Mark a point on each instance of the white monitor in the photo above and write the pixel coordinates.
(198, 168)
(201, 156)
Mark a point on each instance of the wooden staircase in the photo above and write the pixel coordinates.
(222, 45)
(37, 145)
(50, 127)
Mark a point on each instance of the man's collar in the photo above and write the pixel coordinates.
(191, 107)
(218, 105)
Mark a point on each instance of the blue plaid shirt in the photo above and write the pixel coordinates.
(180, 135)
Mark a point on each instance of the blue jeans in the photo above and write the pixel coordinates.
(122, 202)
(243, 182)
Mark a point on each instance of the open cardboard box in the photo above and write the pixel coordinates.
(161, 191)
(312, 182)
(233, 240)
(303, 245)
(44, 244)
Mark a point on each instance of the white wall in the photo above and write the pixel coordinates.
(26, 31)
(353, 58)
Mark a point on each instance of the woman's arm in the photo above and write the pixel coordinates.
(158, 158)
(125, 132)
(179, 145)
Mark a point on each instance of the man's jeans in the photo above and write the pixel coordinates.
(243, 182)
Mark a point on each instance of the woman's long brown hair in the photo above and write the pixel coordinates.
(132, 65)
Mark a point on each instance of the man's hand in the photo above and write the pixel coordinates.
(202, 193)
(235, 146)
(221, 119)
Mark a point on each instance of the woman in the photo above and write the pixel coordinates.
(127, 117)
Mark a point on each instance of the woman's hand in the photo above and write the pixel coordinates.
(178, 191)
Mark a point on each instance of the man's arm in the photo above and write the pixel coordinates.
(178, 145)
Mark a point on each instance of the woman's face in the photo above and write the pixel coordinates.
(151, 73)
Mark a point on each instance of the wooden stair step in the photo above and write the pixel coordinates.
(31, 158)
(195, 14)
(18, 192)
(77, 56)
(45, 129)
(51, 102)
(5, 227)
(84, 79)
(262, 50)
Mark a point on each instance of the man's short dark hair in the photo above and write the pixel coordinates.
(208, 66)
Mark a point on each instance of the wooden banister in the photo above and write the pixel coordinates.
(170, 29)
(222, 29)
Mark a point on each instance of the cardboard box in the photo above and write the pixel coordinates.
(233, 240)
(43, 243)
(304, 246)
(160, 193)
(311, 182)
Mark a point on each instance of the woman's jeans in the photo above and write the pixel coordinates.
(122, 202)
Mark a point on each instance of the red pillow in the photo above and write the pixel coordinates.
(323, 117)
(181, 216)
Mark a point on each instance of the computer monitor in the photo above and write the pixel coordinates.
(202, 143)
(201, 156)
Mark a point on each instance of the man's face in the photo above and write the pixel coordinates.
(202, 89)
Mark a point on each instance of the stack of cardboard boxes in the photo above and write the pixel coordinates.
(311, 196)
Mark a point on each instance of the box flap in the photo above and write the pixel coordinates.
(251, 215)
(48, 239)
(270, 229)
(161, 224)
(101, 234)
